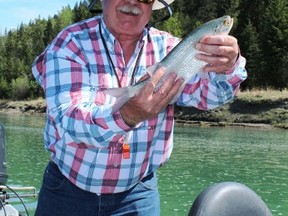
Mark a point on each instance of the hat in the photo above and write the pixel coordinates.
(158, 5)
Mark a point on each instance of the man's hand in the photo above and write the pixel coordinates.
(149, 103)
(222, 52)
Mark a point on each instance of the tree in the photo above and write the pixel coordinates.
(2, 57)
(275, 43)
(81, 12)
(10, 52)
(36, 33)
(48, 32)
(62, 20)
(173, 25)
(250, 48)
(261, 27)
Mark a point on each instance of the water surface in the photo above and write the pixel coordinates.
(201, 156)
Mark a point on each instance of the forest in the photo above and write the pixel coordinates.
(261, 28)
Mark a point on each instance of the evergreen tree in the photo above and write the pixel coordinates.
(252, 52)
(36, 36)
(48, 32)
(9, 54)
(261, 27)
(205, 10)
(225, 7)
(275, 43)
(62, 20)
(81, 12)
(2, 58)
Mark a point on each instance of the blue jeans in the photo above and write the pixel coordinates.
(59, 197)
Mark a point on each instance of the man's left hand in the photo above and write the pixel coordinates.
(221, 52)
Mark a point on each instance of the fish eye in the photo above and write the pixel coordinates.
(226, 22)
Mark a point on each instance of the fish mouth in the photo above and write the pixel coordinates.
(231, 21)
(129, 10)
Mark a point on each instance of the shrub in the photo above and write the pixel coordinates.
(20, 88)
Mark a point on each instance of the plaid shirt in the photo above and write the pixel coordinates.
(85, 139)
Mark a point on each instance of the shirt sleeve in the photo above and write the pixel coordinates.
(210, 90)
(77, 111)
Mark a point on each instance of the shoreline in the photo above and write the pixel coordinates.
(239, 113)
(222, 124)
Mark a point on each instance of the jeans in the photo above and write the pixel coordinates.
(59, 197)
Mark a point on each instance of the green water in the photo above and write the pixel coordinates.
(257, 158)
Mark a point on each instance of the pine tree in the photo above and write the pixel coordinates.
(2, 58)
(48, 32)
(9, 54)
(205, 10)
(36, 36)
(251, 50)
(81, 12)
(275, 43)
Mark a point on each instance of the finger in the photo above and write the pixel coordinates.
(157, 75)
(161, 92)
(170, 94)
(217, 63)
(148, 89)
(218, 50)
(144, 78)
(213, 59)
(216, 68)
(220, 40)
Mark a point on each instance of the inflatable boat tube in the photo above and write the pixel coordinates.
(228, 199)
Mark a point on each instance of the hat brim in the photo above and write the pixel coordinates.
(158, 5)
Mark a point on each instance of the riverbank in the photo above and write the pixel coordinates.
(266, 109)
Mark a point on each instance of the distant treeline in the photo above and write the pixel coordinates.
(261, 28)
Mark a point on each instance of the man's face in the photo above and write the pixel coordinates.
(126, 16)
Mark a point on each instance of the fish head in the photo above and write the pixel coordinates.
(223, 25)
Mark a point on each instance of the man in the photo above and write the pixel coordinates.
(104, 163)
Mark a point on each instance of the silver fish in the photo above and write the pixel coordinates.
(180, 60)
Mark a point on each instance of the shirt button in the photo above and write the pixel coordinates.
(115, 165)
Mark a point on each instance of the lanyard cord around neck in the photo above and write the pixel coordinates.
(111, 62)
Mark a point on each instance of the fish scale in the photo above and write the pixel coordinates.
(180, 60)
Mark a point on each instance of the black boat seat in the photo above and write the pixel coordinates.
(229, 199)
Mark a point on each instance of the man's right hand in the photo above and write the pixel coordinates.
(148, 103)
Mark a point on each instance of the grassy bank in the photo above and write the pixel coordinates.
(250, 108)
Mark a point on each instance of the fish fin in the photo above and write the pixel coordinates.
(116, 92)
(151, 69)
(122, 95)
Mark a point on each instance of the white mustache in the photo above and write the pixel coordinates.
(129, 9)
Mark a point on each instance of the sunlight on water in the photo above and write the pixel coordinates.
(201, 156)
(26, 156)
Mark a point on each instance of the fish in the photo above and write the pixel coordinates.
(181, 60)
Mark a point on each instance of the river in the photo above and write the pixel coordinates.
(257, 158)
